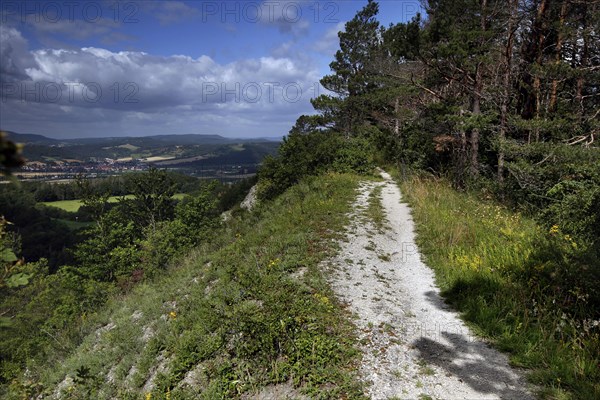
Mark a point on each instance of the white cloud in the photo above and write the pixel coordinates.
(141, 91)
(14, 55)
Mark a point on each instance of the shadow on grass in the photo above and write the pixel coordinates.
(483, 300)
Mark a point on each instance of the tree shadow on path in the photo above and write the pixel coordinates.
(471, 360)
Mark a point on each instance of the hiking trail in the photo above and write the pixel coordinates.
(414, 346)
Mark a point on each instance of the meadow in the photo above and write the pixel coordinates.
(74, 205)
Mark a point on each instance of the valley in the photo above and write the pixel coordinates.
(202, 156)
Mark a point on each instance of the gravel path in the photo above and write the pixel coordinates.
(413, 345)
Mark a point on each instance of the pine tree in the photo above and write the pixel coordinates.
(350, 80)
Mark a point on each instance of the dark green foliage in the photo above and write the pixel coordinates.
(152, 198)
(109, 251)
(39, 233)
(561, 273)
(196, 220)
(199, 213)
(128, 242)
(306, 154)
(561, 184)
(42, 313)
(350, 80)
(139, 236)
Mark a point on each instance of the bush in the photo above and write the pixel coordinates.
(565, 274)
(44, 314)
(306, 154)
(560, 184)
(196, 220)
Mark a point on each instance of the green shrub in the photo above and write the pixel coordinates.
(306, 154)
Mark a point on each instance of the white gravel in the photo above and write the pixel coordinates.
(413, 345)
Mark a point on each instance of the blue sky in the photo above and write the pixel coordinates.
(133, 68)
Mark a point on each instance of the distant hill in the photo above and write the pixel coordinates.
(192, 139)
(179, 139)
(189, 150)
(29, 138)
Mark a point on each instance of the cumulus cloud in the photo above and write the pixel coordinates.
(155, 81)
(14, 55)
(53, 22)
(128, 87)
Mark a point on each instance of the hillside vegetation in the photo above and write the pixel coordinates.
(248, 309)
(495, 102)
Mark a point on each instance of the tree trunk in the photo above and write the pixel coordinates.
(530, 85)
(477, 90)
(506, 83)
(558, 56)
(585, 56)
(476, 110)
(537, 85)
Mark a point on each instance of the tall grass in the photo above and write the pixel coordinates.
(511, 281)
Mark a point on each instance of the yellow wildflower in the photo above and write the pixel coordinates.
(323, 299)
(569, 239)
(173, 314)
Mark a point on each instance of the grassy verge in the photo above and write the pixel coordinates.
(242, 314)
(494, 266)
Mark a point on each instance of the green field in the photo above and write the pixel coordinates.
(73, 205)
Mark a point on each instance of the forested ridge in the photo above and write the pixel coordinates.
(488, 110)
